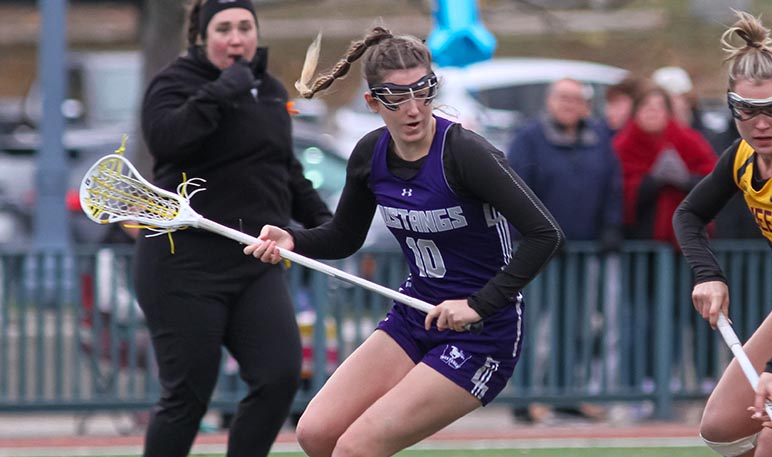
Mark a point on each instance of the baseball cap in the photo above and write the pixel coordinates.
(673, 79)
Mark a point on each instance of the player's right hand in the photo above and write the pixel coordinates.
(271, 239)
(711, 298)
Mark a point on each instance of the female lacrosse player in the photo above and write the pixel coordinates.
(449, 198)
(215, 113)
(745, 167)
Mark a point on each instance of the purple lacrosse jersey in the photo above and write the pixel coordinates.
(453, 246)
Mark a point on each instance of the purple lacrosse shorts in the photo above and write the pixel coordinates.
(481, 364)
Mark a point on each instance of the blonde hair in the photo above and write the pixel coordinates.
(381, 52)
(752, 58)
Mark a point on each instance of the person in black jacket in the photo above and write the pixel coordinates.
(745, 169)
(216, 113)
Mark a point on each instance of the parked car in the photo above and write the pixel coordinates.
(491, 97)
(100, 106)
(322, 164)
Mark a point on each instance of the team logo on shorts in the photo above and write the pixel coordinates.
(454, 356)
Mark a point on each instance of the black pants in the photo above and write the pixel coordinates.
(206, 296)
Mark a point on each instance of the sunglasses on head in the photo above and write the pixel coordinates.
(747, 108)
(393, 95)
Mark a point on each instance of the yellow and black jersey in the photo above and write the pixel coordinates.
(757, 194)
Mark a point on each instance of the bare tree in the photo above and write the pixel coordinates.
(161, 30)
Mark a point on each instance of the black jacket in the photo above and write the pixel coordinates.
(242, 148)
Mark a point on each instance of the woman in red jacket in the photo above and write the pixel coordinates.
(661, 161)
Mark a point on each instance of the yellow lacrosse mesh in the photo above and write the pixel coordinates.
(115, 193)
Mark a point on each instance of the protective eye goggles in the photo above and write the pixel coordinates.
(747, 108)
(393, 95)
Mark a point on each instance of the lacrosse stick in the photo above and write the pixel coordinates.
(730, 337)
(113, 190)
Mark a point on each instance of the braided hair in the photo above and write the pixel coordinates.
(195, 10)
(752, 58)
(381, 52)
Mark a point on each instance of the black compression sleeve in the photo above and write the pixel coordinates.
(476, 168)
(697, 210)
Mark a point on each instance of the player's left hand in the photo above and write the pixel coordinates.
(452, 314)
(763, 394)
(760, 416)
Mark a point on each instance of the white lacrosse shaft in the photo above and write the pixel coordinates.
(413, 302)
(731, 339)
(242, 237)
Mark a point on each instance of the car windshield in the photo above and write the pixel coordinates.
(105, 87)
(528, 98)
(522, 98)
(325, 169)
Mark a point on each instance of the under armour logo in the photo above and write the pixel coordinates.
(407, 192)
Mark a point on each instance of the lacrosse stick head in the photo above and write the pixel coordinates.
(113, 190)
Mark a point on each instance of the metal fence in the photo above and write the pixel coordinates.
(616, 327)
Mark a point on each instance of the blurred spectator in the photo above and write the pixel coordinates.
(112, 334)
(565, 157)
(564, 152)
(109, 304)
(661, 161)
(114, 295)
(619, 103)
(678, 85)
(734, 221)
(686, 107)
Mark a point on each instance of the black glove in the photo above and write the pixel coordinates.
(234, 81)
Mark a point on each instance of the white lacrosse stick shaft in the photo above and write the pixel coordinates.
(242, 237)
(206, 224)
(731, 339)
